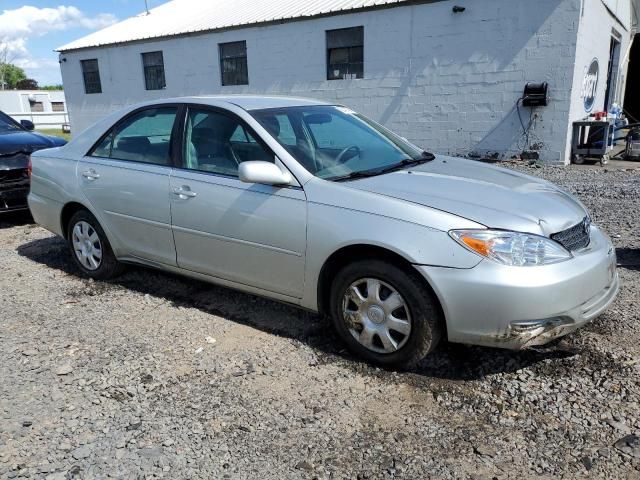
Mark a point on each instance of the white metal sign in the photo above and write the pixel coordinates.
(590, 85)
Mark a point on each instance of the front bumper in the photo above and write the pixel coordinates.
(14, 182)
(517, 307)
(13, 198)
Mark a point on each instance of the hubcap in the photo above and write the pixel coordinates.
(86, 245)
(376, 315)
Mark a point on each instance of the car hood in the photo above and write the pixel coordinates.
(493, 196)
(14, 141)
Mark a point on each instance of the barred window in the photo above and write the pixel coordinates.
(153, 63)
(37, 106)
(345, 53)
(91, 76)
(57, 106)
(233, 63)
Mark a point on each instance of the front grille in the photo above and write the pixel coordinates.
(576, 237)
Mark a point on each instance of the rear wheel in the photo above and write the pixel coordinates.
(90, 247)
(384, 313)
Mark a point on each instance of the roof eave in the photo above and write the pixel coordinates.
(386, 6)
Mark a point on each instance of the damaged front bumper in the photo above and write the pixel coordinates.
(518, 307)
(14, 192)
(530, 333)
(14, 182)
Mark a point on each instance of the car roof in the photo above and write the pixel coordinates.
(80, 144)
(251, 102)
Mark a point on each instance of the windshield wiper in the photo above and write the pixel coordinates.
(405, 162)
(409, 162)
(356, 175)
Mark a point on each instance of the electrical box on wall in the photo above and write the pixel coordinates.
(535, 95)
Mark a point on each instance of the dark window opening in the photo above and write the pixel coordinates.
(632, 98)
(612, 74)
(91, 76)
(37, 106)
(153, 64)
(233, 63)
(345, 53)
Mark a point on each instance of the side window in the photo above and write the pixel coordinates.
(144, 137)
(103, 149)
(218, 143)
(242, 136)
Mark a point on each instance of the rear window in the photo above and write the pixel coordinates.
(143, 137)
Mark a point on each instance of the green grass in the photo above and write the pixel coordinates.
(56, 132)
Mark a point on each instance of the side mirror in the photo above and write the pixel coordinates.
(27, 124)
(263, 172)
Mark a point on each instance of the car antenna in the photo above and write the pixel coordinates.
(146, 6)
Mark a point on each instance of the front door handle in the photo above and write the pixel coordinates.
(184, 192)
(91, 174)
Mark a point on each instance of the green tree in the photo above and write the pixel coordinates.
(50, 87)
(10, 76)
(27, 84)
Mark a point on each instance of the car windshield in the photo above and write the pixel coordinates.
(7, 123)
(335, 143)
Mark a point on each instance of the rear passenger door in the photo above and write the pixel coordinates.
(125, 179)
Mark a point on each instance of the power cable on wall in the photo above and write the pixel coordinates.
(527, 130)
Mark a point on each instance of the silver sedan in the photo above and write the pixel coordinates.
(315, 205)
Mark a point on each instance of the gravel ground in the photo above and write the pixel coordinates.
(156, 376)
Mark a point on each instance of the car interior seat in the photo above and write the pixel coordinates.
(134, 148)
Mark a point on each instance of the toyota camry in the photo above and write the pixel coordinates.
(318, 206)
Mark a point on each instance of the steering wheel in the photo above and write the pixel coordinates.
(342, 156)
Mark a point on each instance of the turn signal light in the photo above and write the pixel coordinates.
(477, 245)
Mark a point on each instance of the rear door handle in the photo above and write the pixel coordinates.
(91, 174)
(184, 192)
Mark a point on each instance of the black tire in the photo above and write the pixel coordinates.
(108, 267)
(426, 321)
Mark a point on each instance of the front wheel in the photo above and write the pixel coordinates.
(90, 247)
(384, 313)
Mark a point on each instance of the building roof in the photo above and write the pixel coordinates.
(180, 17)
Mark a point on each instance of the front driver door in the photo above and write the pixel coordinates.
(125, 179)
(247, 233)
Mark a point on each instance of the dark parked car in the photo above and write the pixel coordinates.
(17, 142)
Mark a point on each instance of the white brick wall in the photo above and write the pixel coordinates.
(448, 82)
(594, 38)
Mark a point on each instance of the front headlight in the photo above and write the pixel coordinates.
(512, 248)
